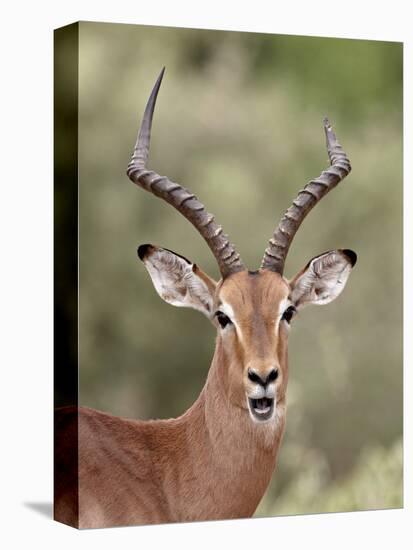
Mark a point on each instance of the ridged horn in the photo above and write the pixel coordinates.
(180, 198)
(275, 254)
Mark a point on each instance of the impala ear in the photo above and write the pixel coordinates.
(323, 278)
(178, 281)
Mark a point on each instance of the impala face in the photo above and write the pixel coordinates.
(253, 315)
(252, 312)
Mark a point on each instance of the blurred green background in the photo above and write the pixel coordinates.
(239, 122)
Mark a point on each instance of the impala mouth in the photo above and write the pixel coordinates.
(261, 409)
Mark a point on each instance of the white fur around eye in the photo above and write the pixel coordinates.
(229, 312)
(283, 306)
(227, 309)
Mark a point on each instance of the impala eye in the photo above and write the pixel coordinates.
(288, 314)
(223, 319)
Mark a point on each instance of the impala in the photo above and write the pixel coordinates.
(216, 460)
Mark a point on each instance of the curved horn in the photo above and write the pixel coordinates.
(180, 198)
(276, 253)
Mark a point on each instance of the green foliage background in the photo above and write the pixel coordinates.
(239, 122)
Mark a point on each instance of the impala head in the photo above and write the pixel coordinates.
(251, 310)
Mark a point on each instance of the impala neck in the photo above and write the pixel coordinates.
(229, 433)
(224, 449)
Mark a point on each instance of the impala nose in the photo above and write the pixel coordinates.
(263, 381)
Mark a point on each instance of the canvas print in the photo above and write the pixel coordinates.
(240, 401)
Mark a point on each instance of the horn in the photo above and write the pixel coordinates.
(275, 254)
(180, 198)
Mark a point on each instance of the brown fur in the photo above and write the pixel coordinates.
(214, 461)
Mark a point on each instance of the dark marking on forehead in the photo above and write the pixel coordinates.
(256, 272)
